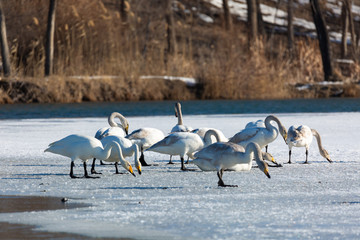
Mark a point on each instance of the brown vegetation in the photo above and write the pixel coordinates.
(92, 40)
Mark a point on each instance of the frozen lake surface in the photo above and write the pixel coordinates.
(313, 201)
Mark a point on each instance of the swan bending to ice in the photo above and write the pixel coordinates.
(128, 149)
(302, 136)
(260, 135)
(84, 148)
(223, 156)
(183, 143)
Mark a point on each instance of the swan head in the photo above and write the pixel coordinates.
(127, 129)
(326, 155)
(268, 156)
(283, 132)
(264, 168)
(255, 148)
(128, 167)
(138, 166)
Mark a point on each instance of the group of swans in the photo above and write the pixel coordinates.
(84, 148)
(110, 144)
(208, 147)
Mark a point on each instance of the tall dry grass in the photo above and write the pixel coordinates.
(91, 40)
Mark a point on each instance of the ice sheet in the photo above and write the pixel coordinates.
(317, 200)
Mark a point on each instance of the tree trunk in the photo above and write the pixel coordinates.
(348, 4)
(227, 15)
(49, 48)
(123, 12)
(5, 54)
(323, 38)
(252, 22)
(290, 33)
(171, 37)
(345, 25)
(260, 21)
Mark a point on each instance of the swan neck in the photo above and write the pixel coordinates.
(254, 151)
(179, 114)
(105, 154)
(270, 118)
(111, 119)
(318, 139)
(135, 148)
(115, 145)
(208, 134)
(123, 121)
(269, 126)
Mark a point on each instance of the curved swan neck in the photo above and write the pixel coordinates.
(135, 149)
(208, 134)
(115, 145)
(123, 121)
(105, 153)
(318, 139)
(268, 125)
(178, 113)
(270, 118)
(254, 151)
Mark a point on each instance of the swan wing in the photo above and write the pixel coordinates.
(245, 135)
(258, 123)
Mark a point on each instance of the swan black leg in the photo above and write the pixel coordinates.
(306, 153)
(116, 168)
(142, 160)
(71, 170)
(170, 161)
(221, 182)
(183, 166)
(93, 167)
(289, 157)
(266, 148)
(86, 175)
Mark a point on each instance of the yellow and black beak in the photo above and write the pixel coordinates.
(285, 137)
(131, 171)
(266, 171)
(127, 130)
(139, 169)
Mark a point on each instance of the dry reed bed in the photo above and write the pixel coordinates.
(91, 40)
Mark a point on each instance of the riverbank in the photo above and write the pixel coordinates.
(114, 89)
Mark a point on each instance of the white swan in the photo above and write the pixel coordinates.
(114, 129)
(256, 124)
(202, 131)
(182, 143)
(222, 156)
(302, 136)
(84, 148)
(145, 138)
(128, 149)
(180, 127)
(260, 135)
